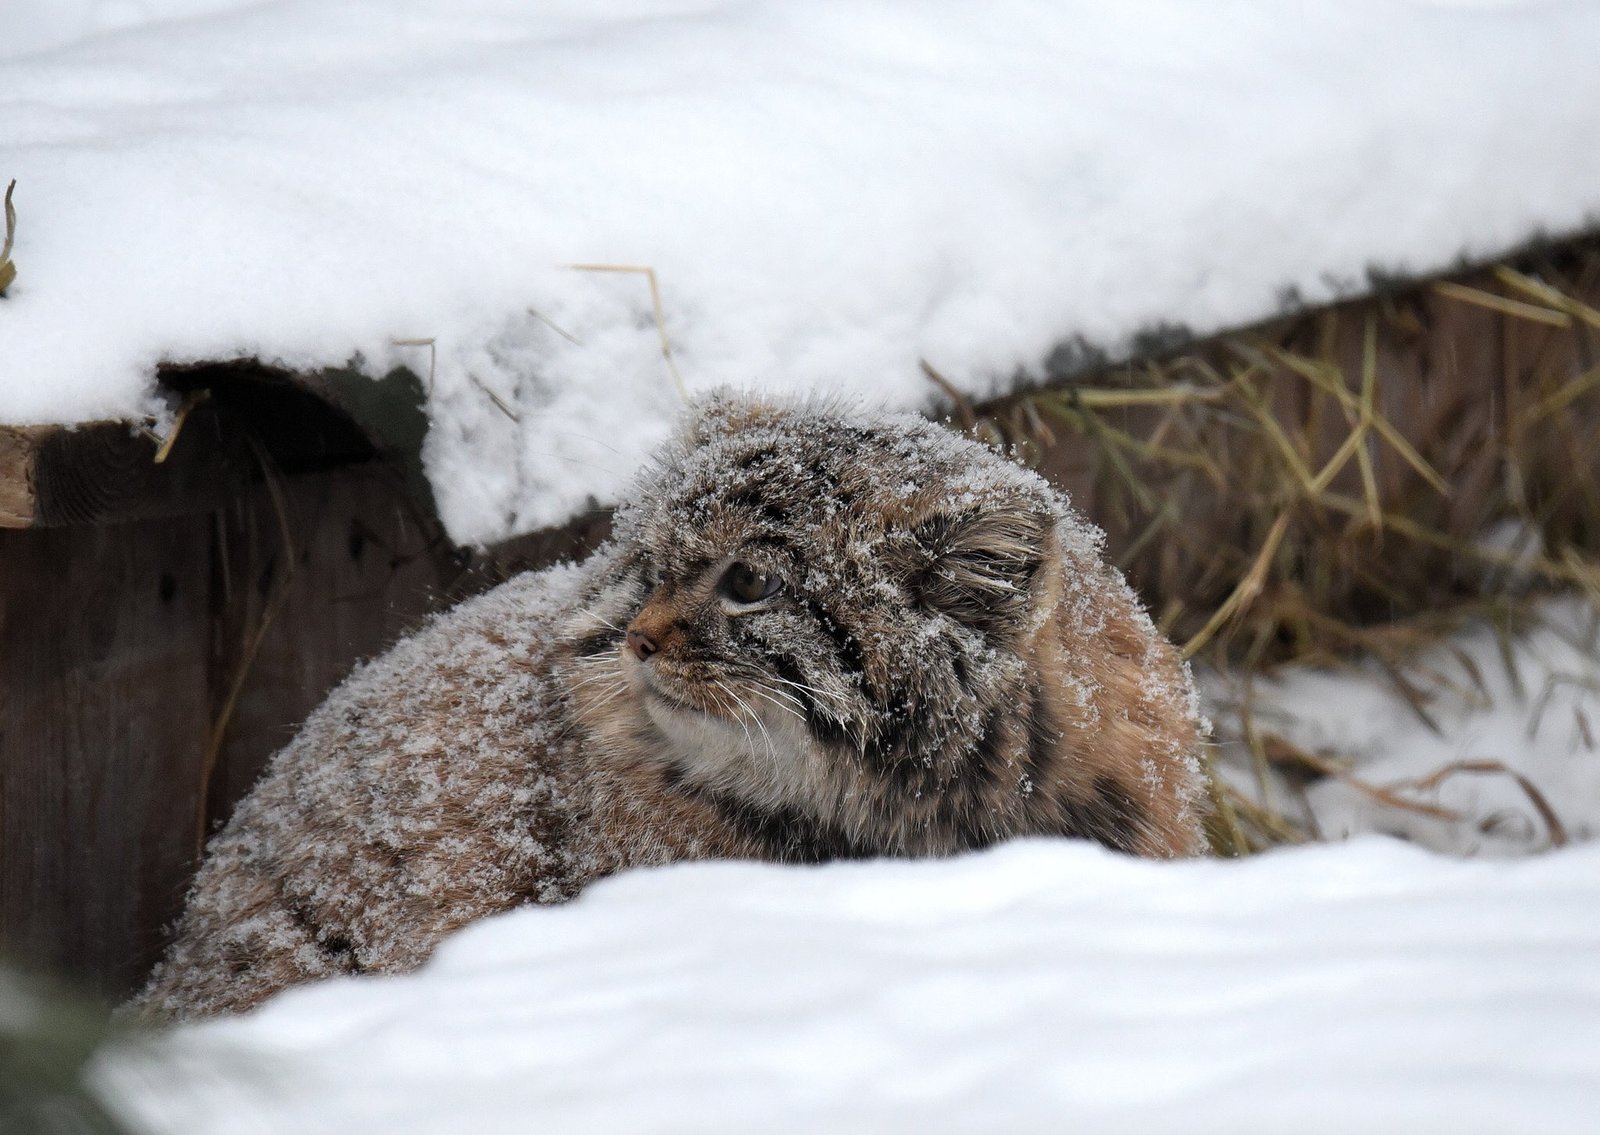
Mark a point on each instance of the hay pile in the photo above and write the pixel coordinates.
(1355, 480)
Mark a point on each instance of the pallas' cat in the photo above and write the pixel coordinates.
(815, 633)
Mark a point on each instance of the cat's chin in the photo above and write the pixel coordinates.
(664, 704)
(659, 703)
(687, 726)
(762, 758)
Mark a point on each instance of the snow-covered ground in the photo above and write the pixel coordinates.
(1040, 986)
(828, 191)
(1492, 711)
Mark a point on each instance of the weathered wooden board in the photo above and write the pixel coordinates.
(147, 671)
(106, 471)
(361, 567)
(103, 680)
(229, 418)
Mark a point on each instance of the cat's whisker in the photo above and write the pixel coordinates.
(608, 676)
(756, 686)
(622, 688)
(767, 696)
(610, 671)
(803, 686)
(830, 699)
(722, 688)
(772, 752)
(601, 619)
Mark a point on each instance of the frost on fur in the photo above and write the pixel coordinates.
(922, 652)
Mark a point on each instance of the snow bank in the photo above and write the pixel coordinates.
(1040, 986)
(828, 191)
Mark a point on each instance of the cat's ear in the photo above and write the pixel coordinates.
(979, 567)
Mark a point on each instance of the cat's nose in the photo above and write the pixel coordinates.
(642, 645)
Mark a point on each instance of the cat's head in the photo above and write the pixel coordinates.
(822, 611)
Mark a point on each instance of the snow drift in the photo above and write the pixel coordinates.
(1038, 986)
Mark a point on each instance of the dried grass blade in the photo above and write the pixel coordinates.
(1036, 423)
(495, 398)
(964, 412)
(433, 355)
(1281, 751)
(1552, 822)
(1367, 413)
(1269, 822)
(11, 222)
(1249, 587)
(8, 270)
(1230, 840)
(1101, 399)
(1268, 422)
(194, 398)
(1253, 740)
(1506, 648)
(1569, 392)
(1537, 565)
(1414, 698)
(1341, 457)
(1382, 425)
(655, 306)
(1547, 295)
(1535, 313)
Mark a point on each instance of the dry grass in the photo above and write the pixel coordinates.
(1356, 480)
(8, 269)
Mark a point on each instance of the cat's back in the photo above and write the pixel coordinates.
(437, 784)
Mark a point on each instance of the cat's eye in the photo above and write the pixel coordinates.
(744, 584)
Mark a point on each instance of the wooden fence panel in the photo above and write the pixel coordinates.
(148, 670)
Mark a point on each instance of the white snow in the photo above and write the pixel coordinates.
(1529, 704)
(1040, 986)
(828, 192)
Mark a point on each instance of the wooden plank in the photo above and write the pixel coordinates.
(122, 649)
(236, 418)
(103, 648)
(18, 447)
(362, 568)
(102, 472)
(164, 628)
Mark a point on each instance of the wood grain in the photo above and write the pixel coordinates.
(118, 646)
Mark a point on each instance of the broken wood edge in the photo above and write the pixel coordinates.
(19, 448)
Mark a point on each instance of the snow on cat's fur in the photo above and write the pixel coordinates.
(815, 634)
